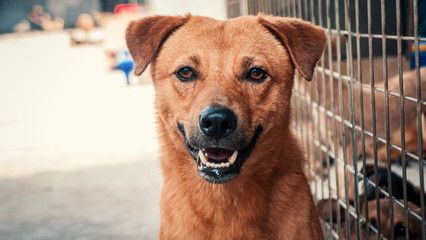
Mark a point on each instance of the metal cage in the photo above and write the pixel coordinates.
(362, 118)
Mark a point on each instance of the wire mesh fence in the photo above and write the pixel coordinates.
(362, 119)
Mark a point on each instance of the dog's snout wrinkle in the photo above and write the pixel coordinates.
(217, 122)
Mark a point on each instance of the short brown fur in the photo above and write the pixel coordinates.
(270, 198)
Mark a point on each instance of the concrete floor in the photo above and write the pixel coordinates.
(78, 151)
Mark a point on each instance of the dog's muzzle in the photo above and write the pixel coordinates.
(217, 163)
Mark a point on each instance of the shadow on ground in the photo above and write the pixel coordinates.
(114, 202)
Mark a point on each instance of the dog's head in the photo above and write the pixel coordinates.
(223, 84)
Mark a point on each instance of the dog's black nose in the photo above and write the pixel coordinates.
(217, 122)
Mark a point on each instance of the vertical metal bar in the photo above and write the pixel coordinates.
(331, 83)
(275, 7)
(304, 109)
(279, 7)
(342, 114)
(299, 8)
(283, 8)
(317, 100)
(268, 7)
(305, 5)
(352, 113)
(299, 107)
(252, 9)
(319, 161)
(312, 120)
(263, 6)
(361, 106)
(387, 129)
(258, 7)
(373, 113)
(305, 123)
(419, 119)
(324, 100)
(312, 142)
(401, 110)
(308, 95)
(287, 8)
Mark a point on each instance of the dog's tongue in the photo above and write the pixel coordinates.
(218, 153)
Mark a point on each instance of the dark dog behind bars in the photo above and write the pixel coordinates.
(362, 120)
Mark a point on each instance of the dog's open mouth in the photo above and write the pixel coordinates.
(217, 157)
(220, 165)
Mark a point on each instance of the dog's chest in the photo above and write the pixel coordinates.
(230, 229)
(211, 217)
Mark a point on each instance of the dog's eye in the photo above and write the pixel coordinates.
(400, 230)
(256, 74)
(186, 74)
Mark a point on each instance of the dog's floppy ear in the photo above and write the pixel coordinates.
(304, 41)
(145, 36)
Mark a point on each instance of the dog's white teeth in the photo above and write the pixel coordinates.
(210, 164)
(232, 158)
(202, 156)
(218, 165)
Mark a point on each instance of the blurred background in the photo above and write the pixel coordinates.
(78, 146)
(78, 151)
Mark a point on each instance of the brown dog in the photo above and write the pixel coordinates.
(232, 167)
(410, 116)
(381, 177)
(367, 232)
